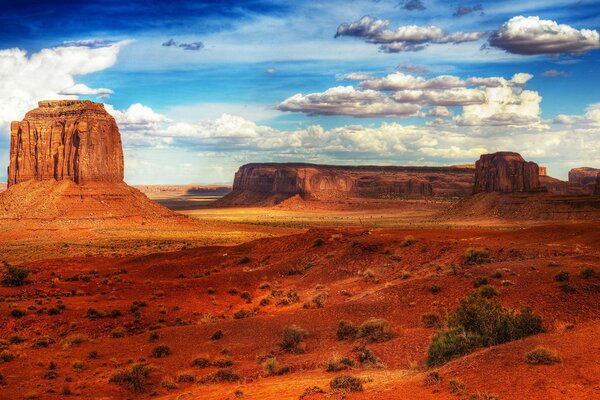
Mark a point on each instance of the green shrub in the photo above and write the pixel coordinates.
(480, 322)
(562, 276)
(161, 351)
(476, 256)
(346, 330)
(14, 276)
(292, 338)
(541, 355)
(347, 383)
(375, 330)
(135, 378)
(367, 358)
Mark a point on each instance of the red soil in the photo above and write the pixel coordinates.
(175, 288)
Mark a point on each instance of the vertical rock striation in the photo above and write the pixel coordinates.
(73, 140)
(505, 172)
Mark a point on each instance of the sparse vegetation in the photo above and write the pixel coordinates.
(185, 378)
(456, 387)
(346, 383)
(435, 289)
(161, 351)
(587, 273)
(367, 358)
(17, 313)
(245, 260)
(222, 375)
(135, 378)
(542, 355)
(562, 276)
(292, 340)
(346, 330)
(480, 322)
(272, 367)
(431, 320)
(432, 378)
(318, 242)
(476, 256)
(201, 362)
(337, 363)
(483, 396)
(375, 330)
(6, 356)
(409, 240)
(480, 281)
(488, 291)
(217, 335)
(168, 384)
(13, 276)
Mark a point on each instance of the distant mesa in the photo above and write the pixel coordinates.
(272, 183)
(66, 161)
(506, 172)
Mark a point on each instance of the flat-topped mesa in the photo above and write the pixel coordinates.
(273, 182)
(583, 175)
(66, 140)
(505, 172)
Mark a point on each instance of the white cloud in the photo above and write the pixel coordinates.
(137, 116)
(48, 74)
(400, 81)
(80, 89)
(403, 38)
(532, 35)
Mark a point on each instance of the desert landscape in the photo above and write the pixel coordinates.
(273, 200)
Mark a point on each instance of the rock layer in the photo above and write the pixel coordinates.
(505, 172)
(597, 187)
(73, 140)
(584, 175)
(272, 182)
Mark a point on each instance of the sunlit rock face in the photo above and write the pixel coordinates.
(505, 172)
(73, 140)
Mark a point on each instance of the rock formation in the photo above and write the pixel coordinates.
(597, 187)
(272, 182)
(505, 172)
(66, 139)
(584, 175)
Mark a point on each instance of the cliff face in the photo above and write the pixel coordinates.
(584, 175)
(505, 172)
(597, 187)
(254, 183)
(66, 140)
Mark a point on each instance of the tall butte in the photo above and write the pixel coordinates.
(66, 161)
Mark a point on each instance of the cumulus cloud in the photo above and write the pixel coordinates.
(48, 74)
(355, 76)
(413, 5)
(552, 73)
(346, 100)
(464, 10)
(400, 81)
(532, 35)
(413, 69)
(404, 38)
(136, 117)
(591, 117)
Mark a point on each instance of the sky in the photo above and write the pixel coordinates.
(199, 88)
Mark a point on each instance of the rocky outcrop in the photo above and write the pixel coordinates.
(597, 187)
(505, 172)
(272, 182)
(584, 175)
(73, 140)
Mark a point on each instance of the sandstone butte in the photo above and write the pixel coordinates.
(66, 161)
(505, 172)
(66, 139)
(583, 175)
(269, 183)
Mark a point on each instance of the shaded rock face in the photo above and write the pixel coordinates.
(584, 175)
(73, 140)
(505, 172)
(597, 188)
(255, 182)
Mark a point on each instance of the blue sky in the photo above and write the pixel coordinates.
(201, 87)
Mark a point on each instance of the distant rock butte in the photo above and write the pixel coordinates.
(73, 140)
(271, 183)
(584, 175)
(505, 172)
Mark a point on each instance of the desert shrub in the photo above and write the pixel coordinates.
(242, 313)
(310, 391)
(222, 375)
(562, 276)
(318, 242)
(15, 339)
(566, 288)
(405, 274)
(94, 314)
(264, 302)
(480, 322)
(42, 342)
(168, 384)
(53, 311)
(217, 335)
(367, 358)
(118, 333)
(93, 354)
(455, 386)
(78, 365)
(432, 378)
(17, 313)
(13, 276)
(246, 296)
(264, 286)
(587, 273)
(135, 378)
(292, 339)
(347, 383)
(488, 291)
(435, 289)
(483, 396)
(408, 241)
(476, 256)
(161, 351)
(201, 362)
(542, 355)
(75, 339)
(6, 356)
(245, 260)
(497, 274)
(299, 269)
(368, 274)
(431, 320)
(480, 281)
(375, 330)
(210, 290)
(153, 337)
(2, 380)
(272, 367)
(185, 378)
(222, 362)
(346, 330)
(232, 291)
(337, 363)
(116, 313)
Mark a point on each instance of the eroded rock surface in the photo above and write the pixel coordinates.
(584, 175)
(73, 140)
(505, 172)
